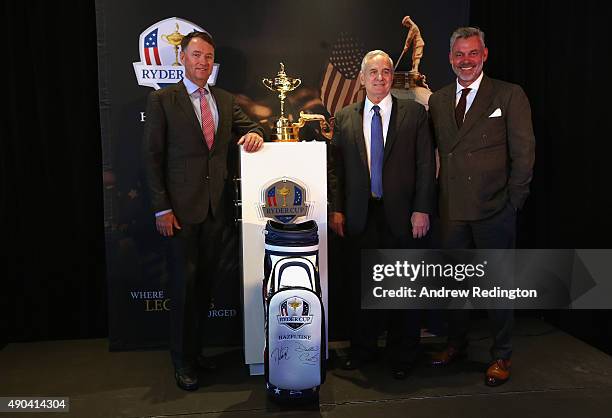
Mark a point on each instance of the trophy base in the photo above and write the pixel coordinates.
(285, 132)
(417, 94)
(409, 80)
(285, 138)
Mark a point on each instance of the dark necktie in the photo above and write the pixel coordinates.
(376, 153)
(460, 109)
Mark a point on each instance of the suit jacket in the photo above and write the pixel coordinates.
(488, 163)
(408, 167)
(182, 173)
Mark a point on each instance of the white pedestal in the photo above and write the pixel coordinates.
(306, 162)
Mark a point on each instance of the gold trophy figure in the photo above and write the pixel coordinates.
(412, 84)
(283, 85)
(174, 39)
(284, 192)
(286, 131)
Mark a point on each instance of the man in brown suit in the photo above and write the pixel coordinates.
(486, 145)
(190, 132)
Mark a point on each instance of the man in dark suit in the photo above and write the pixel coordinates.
(189, 134)
(486, 146)
(381, 189)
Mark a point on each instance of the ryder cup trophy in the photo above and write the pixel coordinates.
(285, 131)
(174, 39)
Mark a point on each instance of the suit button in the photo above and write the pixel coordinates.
(207, 177)
(469, 178)
(450, 154)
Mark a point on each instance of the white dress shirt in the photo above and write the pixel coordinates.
(471, 95)
(194, 96)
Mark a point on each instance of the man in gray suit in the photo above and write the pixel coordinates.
(381, 175)
(486, 146)
(189, 135)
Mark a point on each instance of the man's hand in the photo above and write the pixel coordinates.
(252, 142)
(165, 224)
(336, 222)
(420, 224)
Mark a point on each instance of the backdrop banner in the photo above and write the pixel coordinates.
(320, 42)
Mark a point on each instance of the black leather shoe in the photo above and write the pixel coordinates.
(186, 379)
(207, 364)
(400, 371)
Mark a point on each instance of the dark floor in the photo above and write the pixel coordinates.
(554, 375)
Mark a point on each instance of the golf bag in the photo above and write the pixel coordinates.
(295, 350)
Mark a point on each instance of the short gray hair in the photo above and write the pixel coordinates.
(372, 54)
(467, 32)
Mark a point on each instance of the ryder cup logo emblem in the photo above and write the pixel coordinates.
(284, 200)
(160, 47)
(294, 313)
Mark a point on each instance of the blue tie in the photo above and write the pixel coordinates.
(376, 153)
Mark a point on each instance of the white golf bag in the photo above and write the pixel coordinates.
(295, 351)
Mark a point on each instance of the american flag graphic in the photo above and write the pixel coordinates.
(340, 86)
(150, 48)
(272, 197)
(283, 309)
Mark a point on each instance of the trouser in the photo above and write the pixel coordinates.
(194, 258)
(403, 326)
(496, 232)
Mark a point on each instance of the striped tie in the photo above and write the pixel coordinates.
(208, 123)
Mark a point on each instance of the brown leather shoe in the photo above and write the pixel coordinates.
(498, 372)
(446, 357)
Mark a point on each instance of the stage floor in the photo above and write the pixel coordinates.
(554, 375)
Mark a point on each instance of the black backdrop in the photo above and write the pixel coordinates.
(53, 274)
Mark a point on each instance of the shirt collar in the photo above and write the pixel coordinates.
(474, 86)
(385, 104)
(192, 87)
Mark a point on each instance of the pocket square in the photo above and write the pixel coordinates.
(496, 113)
